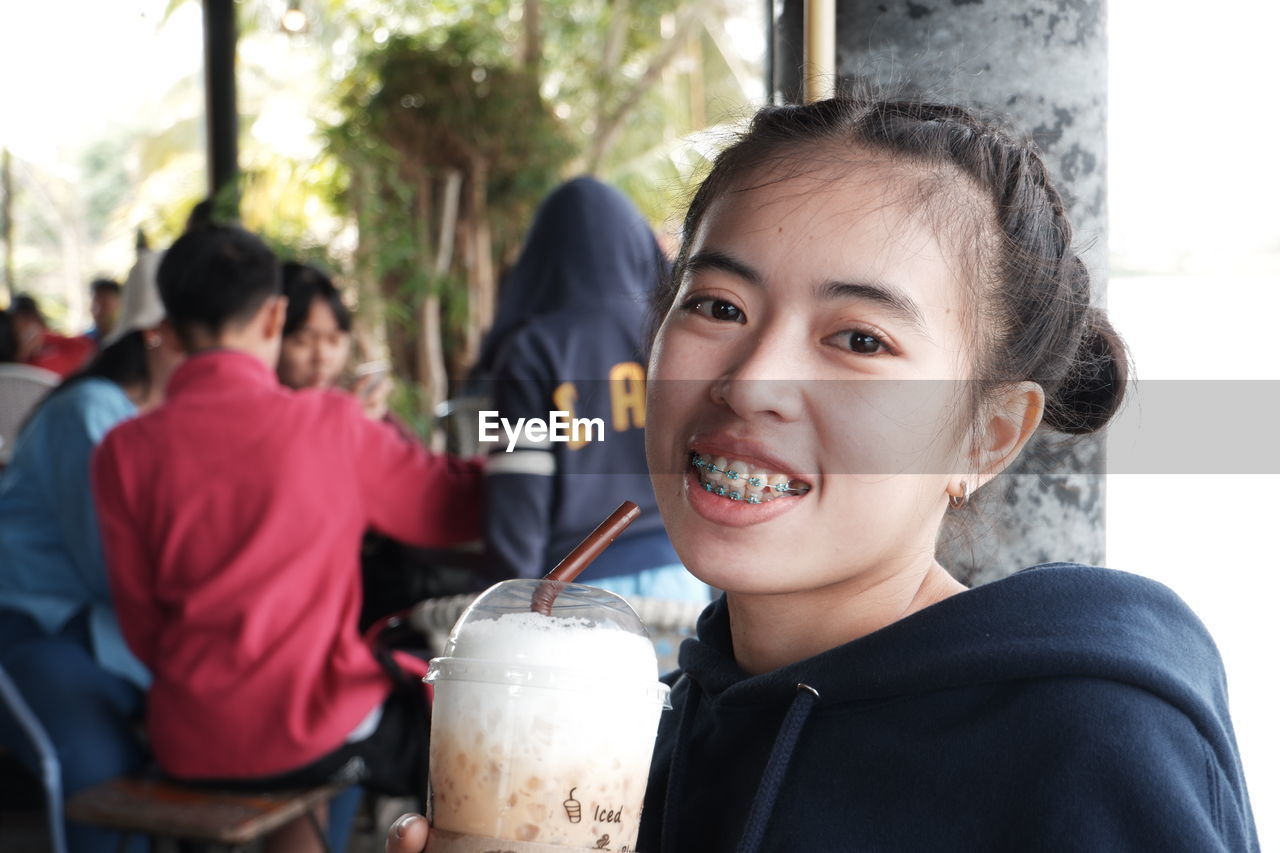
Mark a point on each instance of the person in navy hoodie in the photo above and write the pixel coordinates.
(876, 306)
(569, 337)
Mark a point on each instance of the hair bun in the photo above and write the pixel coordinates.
(1093, 389)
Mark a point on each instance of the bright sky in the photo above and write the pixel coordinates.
(70, 68)
(1193, 129)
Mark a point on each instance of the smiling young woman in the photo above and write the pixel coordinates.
(789, 315)
(876, 305)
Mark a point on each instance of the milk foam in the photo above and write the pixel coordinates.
(557, 641)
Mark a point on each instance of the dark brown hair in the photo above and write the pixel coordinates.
(303, 285)
(215, 276)
(1036, 321)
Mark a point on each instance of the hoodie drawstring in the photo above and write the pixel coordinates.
(784, 746)
(675, 774)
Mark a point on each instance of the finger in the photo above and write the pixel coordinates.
(408, 834)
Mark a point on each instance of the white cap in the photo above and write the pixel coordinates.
(142, 308)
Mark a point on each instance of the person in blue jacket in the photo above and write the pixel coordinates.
(876, 305)
(569, 337)
(60, 641)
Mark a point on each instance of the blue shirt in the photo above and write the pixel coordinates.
(51, 564)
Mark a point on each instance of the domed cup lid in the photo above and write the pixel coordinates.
(591, 641)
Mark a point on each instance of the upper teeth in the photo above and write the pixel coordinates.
(738, 480)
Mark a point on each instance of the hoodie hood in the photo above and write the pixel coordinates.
(588, 245)
(1065, 707)
(1057, 619)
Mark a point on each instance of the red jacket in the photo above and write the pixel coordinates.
(232, 517)
(63, 355)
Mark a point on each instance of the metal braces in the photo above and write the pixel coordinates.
(705, 464)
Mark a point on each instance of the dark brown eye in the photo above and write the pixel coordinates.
(862, 343)
(717, 309)
(726, 311)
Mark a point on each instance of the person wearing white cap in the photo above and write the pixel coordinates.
(59, 637)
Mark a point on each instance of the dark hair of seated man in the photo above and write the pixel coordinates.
(215, 279)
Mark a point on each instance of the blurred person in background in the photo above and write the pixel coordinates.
(104, 306)
(569, 336)
(317, 340)
(60, 640)
(40, 347)
(315, 353)
(22, 387)
(232, 517)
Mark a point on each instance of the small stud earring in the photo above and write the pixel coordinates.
(958, 502)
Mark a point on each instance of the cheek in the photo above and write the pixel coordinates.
(294, 353)
(880, 517)
(667, 402)
(683, 353)
(293, 361)
(886, 427)
(341, 350)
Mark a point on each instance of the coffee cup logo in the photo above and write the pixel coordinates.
(573, 808)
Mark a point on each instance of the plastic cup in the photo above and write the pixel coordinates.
(542, 726)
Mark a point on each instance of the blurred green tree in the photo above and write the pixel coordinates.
(432, 130)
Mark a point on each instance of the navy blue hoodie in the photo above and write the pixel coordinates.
(1065, 708)
(569, 336)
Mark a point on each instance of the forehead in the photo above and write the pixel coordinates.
(320, 316)
(846, 197)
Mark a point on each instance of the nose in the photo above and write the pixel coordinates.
(765, 378)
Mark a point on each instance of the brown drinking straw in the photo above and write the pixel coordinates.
(580, 557)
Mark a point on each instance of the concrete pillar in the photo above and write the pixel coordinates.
(1043, 63)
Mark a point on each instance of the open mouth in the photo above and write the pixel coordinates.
(740, 481)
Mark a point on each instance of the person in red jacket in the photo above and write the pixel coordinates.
(39, 347)
(232, 517)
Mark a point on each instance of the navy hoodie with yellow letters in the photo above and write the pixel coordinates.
(1064, 708)
(569, 337)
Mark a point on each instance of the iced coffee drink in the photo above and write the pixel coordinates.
(543, 725)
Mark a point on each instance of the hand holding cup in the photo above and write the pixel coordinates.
(372, 390)
(407, 835)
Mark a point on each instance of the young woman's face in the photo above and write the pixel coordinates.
(816, 338)
(314, 355)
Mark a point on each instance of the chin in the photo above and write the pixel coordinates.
(753, 573)
(730, 560)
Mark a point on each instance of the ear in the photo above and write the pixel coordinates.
(271, 315)
(169, 337)
(1010, 419)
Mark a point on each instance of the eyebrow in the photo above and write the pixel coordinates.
(713, 260)
(885, 295)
